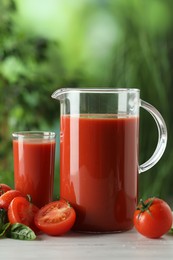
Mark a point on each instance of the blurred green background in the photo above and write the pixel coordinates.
(50, 44)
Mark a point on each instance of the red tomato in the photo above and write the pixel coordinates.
(55, 218)
(22, 211)
(153, 218)
(4, 188)
(7, 197)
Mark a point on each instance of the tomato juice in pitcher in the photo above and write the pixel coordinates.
(99, 170)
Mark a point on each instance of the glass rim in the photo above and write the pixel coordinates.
(34, 134)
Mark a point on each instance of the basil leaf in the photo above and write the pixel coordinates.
(3, 222)
(4, 229)
(20, 231)
(3, 218)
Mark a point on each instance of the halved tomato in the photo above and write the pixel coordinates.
(22, 211)
(55, 218)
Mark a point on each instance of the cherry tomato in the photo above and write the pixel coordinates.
(153, 218)
(55, 218)
(22, 211)
(4, 188)
(7, 197)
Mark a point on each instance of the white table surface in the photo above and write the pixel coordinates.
(128, 245)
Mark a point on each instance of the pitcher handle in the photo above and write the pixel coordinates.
(162, 137)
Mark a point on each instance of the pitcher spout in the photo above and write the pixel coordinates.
(59, 93)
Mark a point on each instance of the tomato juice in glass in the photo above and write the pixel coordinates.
(99, 170)
(34, 156)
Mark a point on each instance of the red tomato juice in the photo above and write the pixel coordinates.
(99, 170)
(34, 169)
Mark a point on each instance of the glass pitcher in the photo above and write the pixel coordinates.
(99, 143)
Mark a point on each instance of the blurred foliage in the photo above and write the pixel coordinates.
(45, 45)
(25, 83)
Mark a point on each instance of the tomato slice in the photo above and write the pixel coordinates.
(22, 211)
(4, 188)
(7, 197)
(55, 218)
